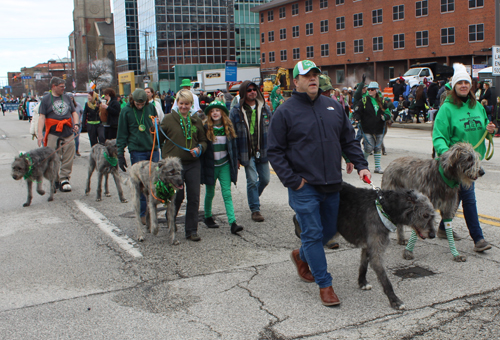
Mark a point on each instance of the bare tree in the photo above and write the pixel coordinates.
(100, 72)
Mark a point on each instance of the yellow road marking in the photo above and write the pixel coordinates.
(482, 220)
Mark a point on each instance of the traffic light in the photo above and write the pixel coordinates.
(64, 76)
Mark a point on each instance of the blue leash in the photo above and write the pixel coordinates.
(180, 147)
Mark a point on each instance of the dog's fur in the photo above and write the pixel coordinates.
(460, 163)
(46, 163)
(97, 161)
(359, 223)
(167, 170)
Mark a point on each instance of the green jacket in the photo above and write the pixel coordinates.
(276, 99)
(171, 126)
(459, 124)
(128, 134)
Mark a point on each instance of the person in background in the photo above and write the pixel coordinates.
(95, 130)
(495, 116)
(113, 107)
(156, 102)
(195, 109)
(79, 111)
(228, 99)
(276, 97)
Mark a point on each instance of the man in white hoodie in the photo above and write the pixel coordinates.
(156, 102)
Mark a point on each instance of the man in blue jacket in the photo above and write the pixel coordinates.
(307, 136)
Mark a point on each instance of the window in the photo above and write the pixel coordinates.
(282, 12)
(296, 53)
(421, 8)
(340, 75)
(263, 59)
(323, 4)
(295, 9)
(358, 19)
(270, 36)
(270, 15)
(283, 55)
(377, 16)
(262, 39)
(447, 35)
(271, 57)
(324, 26)
(399, 41)
(340, 23)
(422, 38)
(282, 33)
(388, 72)
(358, 46)
(309, 29)
(310, 51)
(295, 31)
(341, 48)
(447, 6)
(378, 44)
(476, 32)
(339, 2)
(398, 12)
(476, 3)
(309, 5)
(325, 50)
(262, 17)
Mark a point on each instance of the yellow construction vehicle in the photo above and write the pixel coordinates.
(277, 79)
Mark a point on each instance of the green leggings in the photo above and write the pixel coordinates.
(223, 174)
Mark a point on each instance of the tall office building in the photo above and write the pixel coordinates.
(127, 36)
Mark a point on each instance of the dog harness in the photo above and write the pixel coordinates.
(384, 217)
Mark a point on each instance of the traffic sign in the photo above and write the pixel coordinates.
(26, 77)
(231, 70)
(495, 61)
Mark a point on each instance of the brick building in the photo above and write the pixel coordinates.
(380, 38)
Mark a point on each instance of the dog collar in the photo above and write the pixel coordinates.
(386, 219)
(164, 192)
(28, 174)
(113, 161)
(449, 182)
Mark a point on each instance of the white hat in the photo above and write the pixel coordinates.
(460, 74)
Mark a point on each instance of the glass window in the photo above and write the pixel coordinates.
(476, 32)
(398, 12)
(309, 29)
(341, 48)
(447, 35)
(378, 44)
(263, 58)
(422, 38)
(262, 17)
(358, 46)
(339, 2)
(399, 41)
(283, 55)
(324, 26)
(295, 31)
(340, 23)
(270, 15)
(377, 16)
(421, 8)
(447, 6)
(296, 53)
(340, 75)
(310, 51)
(270, 36)
(325, 50)
(282, 12)
(358, 19)
(282, 33)
(271, 57)
(309, 5)
(295, 9)
(262, 39)
(323, 4)
(476, 3)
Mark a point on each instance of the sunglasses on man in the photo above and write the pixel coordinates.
(251, 89)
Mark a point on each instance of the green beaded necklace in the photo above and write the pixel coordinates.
(187, 130)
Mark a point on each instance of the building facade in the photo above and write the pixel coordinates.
(380, 38)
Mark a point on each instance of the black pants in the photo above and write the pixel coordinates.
(96, 134)
(110, 132)
(191, 175)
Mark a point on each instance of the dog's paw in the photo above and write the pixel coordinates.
(408, 255)
(107, 194)
(154, 230)
(87, 192)
(124, 200)
(27, 204)
(402, 242)
(50, 199)
(460, 258)
(41, 192)
(140, 238)
(366, 287)
(98, 199)
(399, 305)
(176, 243)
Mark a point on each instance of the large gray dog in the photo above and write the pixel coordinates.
(460, 165)
(157, 181)
(33, 166)
(359, 223)
(104, 158)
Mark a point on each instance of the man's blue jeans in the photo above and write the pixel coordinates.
(137, 156)
(317, 215)
(258, 177)
(468, 198)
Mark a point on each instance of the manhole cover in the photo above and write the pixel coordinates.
(413, 272)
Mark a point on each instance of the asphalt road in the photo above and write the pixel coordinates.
(72, 270)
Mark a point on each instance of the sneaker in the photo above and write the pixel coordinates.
(442, 234)
(77, 153)
(65, 186)
(235, 228)
(257, 216)
(481, 246)
(210, 223)
(194, 237)
(378, 170)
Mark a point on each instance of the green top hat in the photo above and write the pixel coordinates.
(216, 104)
(186, 82)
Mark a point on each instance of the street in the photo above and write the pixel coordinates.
(71, 268)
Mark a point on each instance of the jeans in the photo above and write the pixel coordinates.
(372, 143)
(468, 198)
(77, 138)
(258, 177)
(137, 156)
(317, 215)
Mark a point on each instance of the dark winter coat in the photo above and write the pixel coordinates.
(113, 112)
(208, 162)
(371, 122)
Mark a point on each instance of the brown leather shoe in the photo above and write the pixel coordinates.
(302, 267)
(328, 297)
(257, 217)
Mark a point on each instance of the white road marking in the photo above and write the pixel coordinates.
(125, 242)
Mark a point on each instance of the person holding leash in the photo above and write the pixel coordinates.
(219, 162)
(307, 136)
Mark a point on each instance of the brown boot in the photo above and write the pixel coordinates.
(302, 267)
(328, 297)
(257, 217)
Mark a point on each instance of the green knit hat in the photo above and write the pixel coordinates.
(216, 104)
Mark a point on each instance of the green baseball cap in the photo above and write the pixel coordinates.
(139, 96)
(325, 83)
(303, 67)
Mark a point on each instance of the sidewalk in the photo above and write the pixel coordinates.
(414, 125)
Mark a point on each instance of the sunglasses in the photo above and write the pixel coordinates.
(251, 89)
(372, 89)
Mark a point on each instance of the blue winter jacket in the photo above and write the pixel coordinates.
(307, 138)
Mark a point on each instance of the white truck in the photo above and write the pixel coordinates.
(432, 71)
(212, 80)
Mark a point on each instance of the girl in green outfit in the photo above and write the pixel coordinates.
(220, 162)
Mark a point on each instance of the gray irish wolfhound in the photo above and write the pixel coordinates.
(359, 223)
(33, 166)
(460, 165)
(156, 181)
(104, 158)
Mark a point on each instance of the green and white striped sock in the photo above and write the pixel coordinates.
(377, 156)
(412, 241)
(451, 240)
